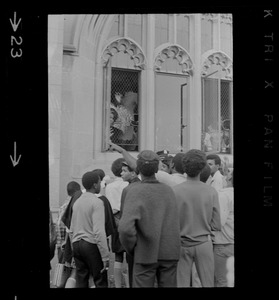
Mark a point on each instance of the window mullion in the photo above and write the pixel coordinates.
(107, 96)
(219, 114)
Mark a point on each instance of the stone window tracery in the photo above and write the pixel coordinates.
(127, 46)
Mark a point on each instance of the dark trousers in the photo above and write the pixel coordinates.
(164, 271)
(88, 261)
(130, 262)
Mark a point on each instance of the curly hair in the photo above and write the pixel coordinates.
(193, 162)
(116, 166)
(100, 172)
(89, 178)
(147, 168)
(72, 187)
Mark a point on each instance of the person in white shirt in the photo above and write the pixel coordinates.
(214, 161)
(223, 241)
(114, 189)
(113, 193)
(176, 174)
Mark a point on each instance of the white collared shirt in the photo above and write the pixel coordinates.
(217, 181)
(113, 192)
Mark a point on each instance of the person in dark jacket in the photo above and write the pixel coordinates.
(149, 227)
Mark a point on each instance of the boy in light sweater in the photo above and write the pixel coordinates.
(90, 248)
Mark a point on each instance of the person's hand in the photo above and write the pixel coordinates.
(118, 97)
(63, 246)
(115, 147)
(110, 131)
(106, 266)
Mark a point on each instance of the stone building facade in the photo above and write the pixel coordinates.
(173, 70)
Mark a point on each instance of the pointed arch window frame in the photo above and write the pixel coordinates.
(219, 58)
(128, 46)
(177, 52)
(115, 46)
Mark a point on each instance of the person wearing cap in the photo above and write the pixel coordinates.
(199, 216)
(149, 227)
(90, 248)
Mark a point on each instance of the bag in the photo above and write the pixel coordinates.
(61, 275)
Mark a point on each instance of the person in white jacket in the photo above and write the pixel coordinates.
(223, 241)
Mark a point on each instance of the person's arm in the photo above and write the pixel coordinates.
(216, 218)
(98, 219)
(224, 207)
(217, 182)
(127, 224)
(131, 161)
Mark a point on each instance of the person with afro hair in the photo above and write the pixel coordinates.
(199, 215)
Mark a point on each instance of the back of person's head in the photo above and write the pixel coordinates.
(116, 166)
(89, 178)
(73, 187)
(177, 162)
(205, 173)
(100, 172)
(148, 163)
(214, 157)
(193, 162)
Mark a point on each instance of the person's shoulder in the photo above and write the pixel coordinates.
(162, 174)
(123, 183)
(218, 174)
(103, 197)
(226, 192)
(112, 183)
(180, 185)
(97, 201)
(134, 185)
(165, 188)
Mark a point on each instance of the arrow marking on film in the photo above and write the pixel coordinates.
(14, 160)
(13, 23)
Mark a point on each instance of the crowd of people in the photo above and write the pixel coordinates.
(170, 217)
